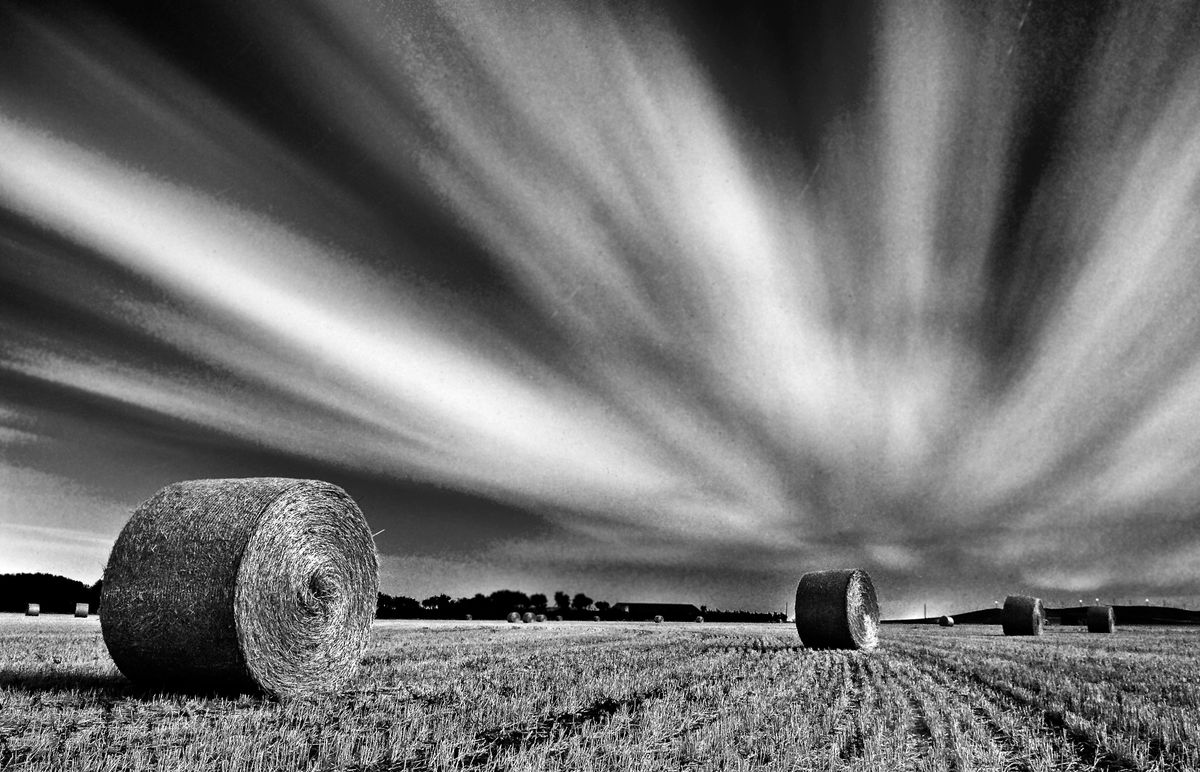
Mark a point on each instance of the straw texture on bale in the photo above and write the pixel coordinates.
(1100, 619)
(33, 609)
(257, 584)
(946, 621)
(527, 617)
(837, 610)
(513, 617)
(82, 610)
(1022, 615)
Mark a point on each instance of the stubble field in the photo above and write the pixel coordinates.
(610, 696)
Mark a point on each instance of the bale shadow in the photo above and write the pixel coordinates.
(105, 687)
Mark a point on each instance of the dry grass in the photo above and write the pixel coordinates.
(579, 696)
(614, 696)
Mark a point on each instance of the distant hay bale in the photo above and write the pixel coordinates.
(837, 610)
(558, 618)
(596, 618)
(540, 618)
(257, 584)
(513, 617)
(1100, 619)
(658, 619)
(699, 620)
(468, 617)
(33, 609)
(1023, 615)
(946, 621)
(527, 617)
(82, 610)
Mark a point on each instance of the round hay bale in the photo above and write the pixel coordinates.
(513, 617)
(658, 619)
(699, 620)
(837, 610)
(33, 609)
(1022, 615)
(540, 618)
(256, 584)
(1100, 619)
(82, 610)
(946, 621)
(558, 618)
(527, 617)
(596, 618)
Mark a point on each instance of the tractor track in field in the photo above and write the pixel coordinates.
(850, 743)
(489, 743)
(1160, 751)
(906, 682)
(1088, 753)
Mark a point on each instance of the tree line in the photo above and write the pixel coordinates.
(58, 595)
(54, 594)
(501, 603)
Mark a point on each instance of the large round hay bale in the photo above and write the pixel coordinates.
(33, 609)
(468, 617)
(527, 617)
(540, 618)
(558, 618)
(946, 621)
(699, 620)
(82, 610)
(1022, 615)
(1100, 619)
(837, 610)
(596, 618)
(658, 619)
(513, 617)
(245, 584)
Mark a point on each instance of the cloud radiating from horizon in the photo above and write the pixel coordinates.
(557, 258)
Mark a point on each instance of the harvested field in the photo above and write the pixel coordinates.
(571, 695)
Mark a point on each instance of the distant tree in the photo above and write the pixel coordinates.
(581, 602)
(562, 600)
(603, 606)
(538, 601)
(398, 607)
(55, 594)
(437, 602)
(504, 601)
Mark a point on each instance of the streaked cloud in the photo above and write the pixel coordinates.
(543, 257)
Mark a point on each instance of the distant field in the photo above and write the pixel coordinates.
(486, 695)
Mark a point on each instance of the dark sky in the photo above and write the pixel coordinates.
(652, 301)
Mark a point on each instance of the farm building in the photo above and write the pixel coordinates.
(645, 612)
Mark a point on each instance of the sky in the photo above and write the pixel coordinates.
(656, 302)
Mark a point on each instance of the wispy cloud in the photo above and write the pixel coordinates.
(913, 352)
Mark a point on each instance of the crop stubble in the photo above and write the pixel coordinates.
(601, 696)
